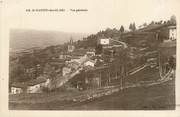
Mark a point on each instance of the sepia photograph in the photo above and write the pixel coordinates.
(92, 55)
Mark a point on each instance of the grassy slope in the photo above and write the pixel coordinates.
(144, 98)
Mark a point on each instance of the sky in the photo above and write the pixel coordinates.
(101, 14)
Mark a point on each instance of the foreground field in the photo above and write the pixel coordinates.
(156, 97)
(160, 97)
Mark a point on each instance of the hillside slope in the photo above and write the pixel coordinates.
(23, 39)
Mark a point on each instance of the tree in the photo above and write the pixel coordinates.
(145, 24)
(133, 27)
(121, 29)
(17, 73)
(173, 19)
(152, 23)
(98, 49)
(160, 22)
(130, 26)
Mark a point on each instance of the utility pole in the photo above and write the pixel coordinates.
(100, 79)
(121, 82)
(109, 77)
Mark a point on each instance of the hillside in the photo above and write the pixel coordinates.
(24, 39)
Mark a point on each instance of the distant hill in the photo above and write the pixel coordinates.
(24, 39)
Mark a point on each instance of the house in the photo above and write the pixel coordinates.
(163, 32)
(75, 58)
(90, 63)
(90, 53)
(35, 86)
(78, 59)
(44, 78)
(172, 32)
(16, 88)
(71, 48)
(104, 41)
(63, 55)
(73, 65)
(168, 33)
(32, 86)
(66, 70)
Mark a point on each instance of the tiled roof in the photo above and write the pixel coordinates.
(89, 60)
(29, 83)
(18, 85)
(36, 81)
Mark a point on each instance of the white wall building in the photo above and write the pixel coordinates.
(90, 54)
(66, 70)
(71, 48)
(172, 33)
(34, 88)
(89, 63)
(16, 90)
(105, 41)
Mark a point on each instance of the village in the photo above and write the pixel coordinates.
(108, 64)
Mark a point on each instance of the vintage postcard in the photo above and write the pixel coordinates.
(118, 57)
